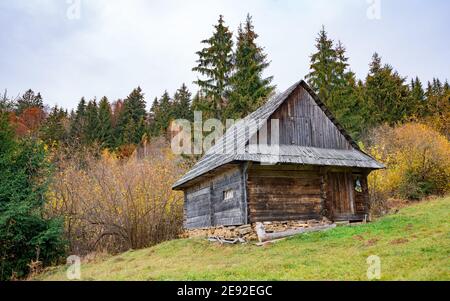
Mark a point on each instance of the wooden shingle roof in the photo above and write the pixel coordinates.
(237, 138)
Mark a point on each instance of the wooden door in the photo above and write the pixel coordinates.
(341, 195)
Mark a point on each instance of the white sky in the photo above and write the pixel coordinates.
(117, 45)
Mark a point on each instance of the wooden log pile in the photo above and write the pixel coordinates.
(246, 232)
(249, 232)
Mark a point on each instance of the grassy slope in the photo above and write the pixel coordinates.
(413, 245)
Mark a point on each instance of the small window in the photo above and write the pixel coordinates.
(228, 195)
(358, 186)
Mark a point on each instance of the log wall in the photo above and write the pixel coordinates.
(292, 192)
(205, 205)
(277, 194)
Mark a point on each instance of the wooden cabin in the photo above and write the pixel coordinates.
(319, 171)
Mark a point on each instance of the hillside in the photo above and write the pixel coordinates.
(413, 244)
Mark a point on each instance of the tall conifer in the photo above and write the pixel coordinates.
(249, 88)
(105, 129)
(131, 123)
(214, 64)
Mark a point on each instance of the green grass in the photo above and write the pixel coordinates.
(413, 244)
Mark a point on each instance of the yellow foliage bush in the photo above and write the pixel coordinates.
(111, 204)
(417, 159)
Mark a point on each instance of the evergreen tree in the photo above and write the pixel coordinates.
(78, 123)
(54, 130)
(344, 98)
(446, 87)
(417, 98)
(29, 100)
(323, 67)
(25, 233)
(163, 116)
(437, 98)
(91, 130)
(438, 89)
(215, 64)
(182, 104)
(154, 113)
(335, 84)
(105, 129)
(249, 90)
(386, 95)
(131, 123)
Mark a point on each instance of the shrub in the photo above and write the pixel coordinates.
(417, 159)
(111, 204)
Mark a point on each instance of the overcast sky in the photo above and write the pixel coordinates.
(108, 47)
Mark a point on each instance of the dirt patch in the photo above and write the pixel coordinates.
(358, 237)
(371, 242)
(409, 227)
(116, 269)
(399, 241)
(119, 259)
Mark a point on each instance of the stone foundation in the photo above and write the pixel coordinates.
(248, 232)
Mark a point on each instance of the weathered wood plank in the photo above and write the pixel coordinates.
(303, 123)
(284, 217)
(205, 205)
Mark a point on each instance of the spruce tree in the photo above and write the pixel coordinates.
(131, 123)
(26, 233)
(446, 87)
(91, 129)
(417, 98)
(105, 129)
(345, 98)
(164, 116)
(215, 65)
(182, 104)
(54, 130)
(335, 83)
(323, 65)
(154, 113)
(249, 89)
(438, 89)
(78, 123)
(437, 100)
(386, 95)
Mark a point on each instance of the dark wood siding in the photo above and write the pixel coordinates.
(197, 206)
(295, 192)
(277, 194)
(303, 123)
(341, 193)
(205, 205)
